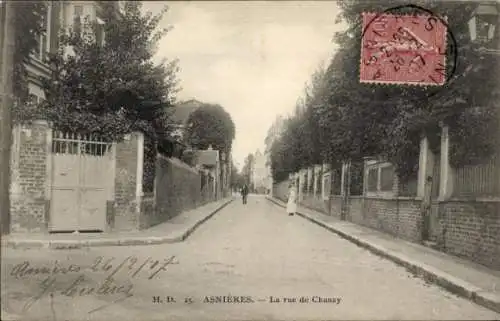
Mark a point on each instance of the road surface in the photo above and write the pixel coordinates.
(248, 262)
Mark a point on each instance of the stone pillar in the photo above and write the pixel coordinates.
(301, 185)
(425, 166)
(343, 178)
(128, 183)
(315, 180)
(31, 177)
(447, 172)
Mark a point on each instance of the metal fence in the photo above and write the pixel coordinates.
(481, 180)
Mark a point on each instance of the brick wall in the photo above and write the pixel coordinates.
(355, 211)
(29, 160)
(471, 230)
(316, 203)
(125, 206)
(178, 189)
(336, 205)
(400, 218)
(468, 229)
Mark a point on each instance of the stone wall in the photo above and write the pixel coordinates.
(177, 189)
(316, 203)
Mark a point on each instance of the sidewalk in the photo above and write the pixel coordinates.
(467, 279)
(175, 230)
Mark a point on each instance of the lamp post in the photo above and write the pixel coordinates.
(484, 30)
(484, 26)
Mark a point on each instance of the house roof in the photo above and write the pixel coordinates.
(182, 110)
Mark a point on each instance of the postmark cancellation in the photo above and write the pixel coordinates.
(403, 49)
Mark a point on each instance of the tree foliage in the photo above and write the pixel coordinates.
(299, 142)
(210, 125)
(111, 88)
(348, 120)
(248, 165)
(237, 178)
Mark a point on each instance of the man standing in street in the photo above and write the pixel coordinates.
(244, 193)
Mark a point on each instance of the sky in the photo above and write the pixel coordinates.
(253, 58)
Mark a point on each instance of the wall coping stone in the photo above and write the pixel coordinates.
(471, 200)
(178, 162)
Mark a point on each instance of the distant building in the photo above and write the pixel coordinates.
(273, 133)
(59, 16)
(209, 162)
(180, 115)
(260, 173)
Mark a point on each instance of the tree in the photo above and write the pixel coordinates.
(248, 168)
(359, 120)
(112, 88)
(210, 125)
(237, 179)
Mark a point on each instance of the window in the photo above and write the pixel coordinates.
(380, 178)
(40, 52)
(386, 178)
(34, 100)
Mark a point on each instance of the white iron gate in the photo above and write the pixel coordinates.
(82, 182)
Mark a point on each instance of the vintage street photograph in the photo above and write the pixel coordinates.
(250, 160)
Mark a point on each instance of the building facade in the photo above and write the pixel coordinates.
(260, 173)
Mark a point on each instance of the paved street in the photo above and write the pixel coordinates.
(255, 251)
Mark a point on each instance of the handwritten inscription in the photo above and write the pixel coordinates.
(74, 280)
(130, 264)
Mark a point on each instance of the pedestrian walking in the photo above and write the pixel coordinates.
(291, 206)
(244, 193)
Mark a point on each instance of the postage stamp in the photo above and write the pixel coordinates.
(403, 49)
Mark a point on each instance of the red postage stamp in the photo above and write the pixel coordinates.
(403, 49)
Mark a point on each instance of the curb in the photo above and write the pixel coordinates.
(140, 240)
(449, 282)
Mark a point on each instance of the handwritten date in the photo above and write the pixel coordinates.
(111, 266)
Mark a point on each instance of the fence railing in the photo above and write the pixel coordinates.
(478, 180)
(72, 143)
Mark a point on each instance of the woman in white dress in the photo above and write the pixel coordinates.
(291, 206)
